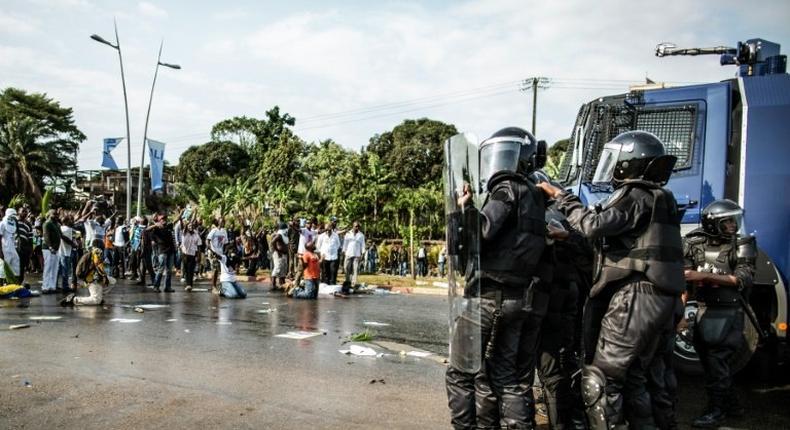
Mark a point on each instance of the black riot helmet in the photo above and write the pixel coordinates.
(723, 218)
(511, 149)
(634, 155)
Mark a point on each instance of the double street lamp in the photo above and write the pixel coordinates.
(145, 132)
(117, 47)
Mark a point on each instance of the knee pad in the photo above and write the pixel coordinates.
(600, 414)
(593, 384)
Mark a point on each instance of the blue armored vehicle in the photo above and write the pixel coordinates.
(732, 140)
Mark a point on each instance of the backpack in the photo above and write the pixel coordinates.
(85, 266)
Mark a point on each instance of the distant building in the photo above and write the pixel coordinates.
(112, 185)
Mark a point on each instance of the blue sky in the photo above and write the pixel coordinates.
(348, 70)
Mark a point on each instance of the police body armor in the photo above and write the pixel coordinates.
(656, 251)
(720, 257)
(519, 246)
(722, 309)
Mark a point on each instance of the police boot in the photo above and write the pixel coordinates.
(711, 419)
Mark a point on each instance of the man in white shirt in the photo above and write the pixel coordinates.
(306, 234)
(353, 246)
(119, 246)
(64, 255)
(328, 248)
(216, 239)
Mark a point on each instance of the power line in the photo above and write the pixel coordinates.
(423, 103)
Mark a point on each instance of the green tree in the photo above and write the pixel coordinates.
(414, 150)
(256, 136)
(212, 160)
(281, 167)
(38, 141)
(554, 157)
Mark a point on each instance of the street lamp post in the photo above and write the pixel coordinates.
(145, 132)
(117, 47)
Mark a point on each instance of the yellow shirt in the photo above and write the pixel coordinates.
(98, 267)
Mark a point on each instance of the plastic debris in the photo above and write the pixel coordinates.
(171, 320)
(375, 323)
(362, 351)
(329, 290)
(125, 320)
(152, 306)
(44, 317)
(200, 290)
(224, 323)
(18, 326)
(265, 311)
(139, 310)
(420, 354)
(186, 330)
(299, 335)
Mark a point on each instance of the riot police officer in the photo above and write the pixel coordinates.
(721, 265)
(638, 277)
(511, 233)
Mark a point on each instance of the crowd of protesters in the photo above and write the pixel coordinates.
(300, 254)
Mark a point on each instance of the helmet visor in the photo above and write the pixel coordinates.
(605, 170)
(729, 223)
(496, 157)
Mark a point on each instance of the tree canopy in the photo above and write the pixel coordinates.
(261, 167)
(38, 142)
(415, 146)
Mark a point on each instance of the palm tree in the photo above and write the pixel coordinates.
(23, 156)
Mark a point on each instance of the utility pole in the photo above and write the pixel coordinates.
(533, 84)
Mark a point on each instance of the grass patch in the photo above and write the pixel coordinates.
(363, 336)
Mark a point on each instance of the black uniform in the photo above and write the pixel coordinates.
(558, 341)
(637, 280)
(718, 332)
(512, 240)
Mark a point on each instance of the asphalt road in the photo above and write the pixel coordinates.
(201, 361)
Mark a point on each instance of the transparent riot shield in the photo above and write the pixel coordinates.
(462, 203)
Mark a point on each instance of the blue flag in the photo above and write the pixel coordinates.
(109, 144)
(157, 152)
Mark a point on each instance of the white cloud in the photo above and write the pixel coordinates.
(152, 10)
(10, 23)
(325, 59)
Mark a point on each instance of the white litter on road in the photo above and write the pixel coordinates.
(299, 335)
(224, 323)
(125, 320)
(200, 290)
(375, 324)
(420, 354)
(149, 307)
(171, 320)
(265, 303)
(265, 311)
(186, 330)
(328, 290)
(362, 351)
(45, 318)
